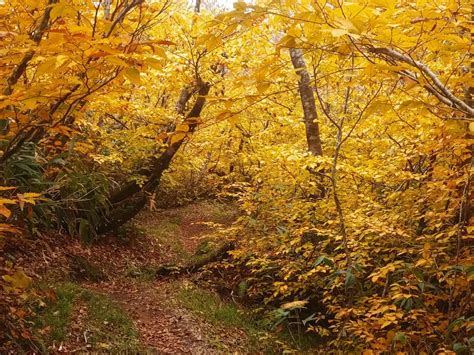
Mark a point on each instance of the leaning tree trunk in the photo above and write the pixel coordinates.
(131, 198)
(197, 262)
(307, 101)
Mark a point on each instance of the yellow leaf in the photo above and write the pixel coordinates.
(193, 120)
(343, 49)
(31, 195)
(294, 305)
(339, 32)
(347, 25)
(6, 188)
(116, 61)
(159, 51)
(230, 29)
(133, 75)
(154, 63)
(287, 41)
(30, 103)
(28, 197)
(61, 9)
(212, 43)
(223, 115)
(18, 280)
(240, 5)
(47, 66)
(8, 228)
(262, 87)
(182, 128)
(202, 39)
(179, 136)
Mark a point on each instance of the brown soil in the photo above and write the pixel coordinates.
(167, 328)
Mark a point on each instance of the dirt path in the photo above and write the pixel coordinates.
(164, 325)
(162, 328)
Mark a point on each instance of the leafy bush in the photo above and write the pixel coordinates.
(404, 289)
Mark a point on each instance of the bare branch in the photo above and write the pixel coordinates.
(122, 15)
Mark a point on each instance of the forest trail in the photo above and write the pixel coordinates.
(161, 328)
(106, 295)
(163, 324)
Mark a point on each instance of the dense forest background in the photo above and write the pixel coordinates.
(339, 132)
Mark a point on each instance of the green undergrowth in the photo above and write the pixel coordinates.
(141, 273)
(166, 227)
(149, 273)
(215, 211)
(165, 231)
(214, 310)
(210, 307)
(94, 316)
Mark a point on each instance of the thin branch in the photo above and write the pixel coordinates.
(36, 35)
(122, 15)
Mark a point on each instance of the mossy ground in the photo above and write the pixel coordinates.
(77, 311)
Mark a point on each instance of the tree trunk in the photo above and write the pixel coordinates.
(107, 5)
(197, 6)
(307, 101)
(199, 262)
(131, 198)
(470, 132)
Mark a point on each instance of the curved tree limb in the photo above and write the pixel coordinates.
(439, 89)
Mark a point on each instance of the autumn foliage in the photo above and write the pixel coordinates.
(344, 129)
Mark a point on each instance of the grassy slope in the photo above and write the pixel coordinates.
(76, 311)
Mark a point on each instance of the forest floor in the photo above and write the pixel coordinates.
(105, 296)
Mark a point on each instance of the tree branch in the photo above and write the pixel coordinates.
(36, 35)
(443, 93)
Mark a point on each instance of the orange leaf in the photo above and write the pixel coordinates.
(5, 211)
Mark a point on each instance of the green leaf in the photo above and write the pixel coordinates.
(308, 319)
(323, 259)
(400, 337)
(460, 348)
(350, 279)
